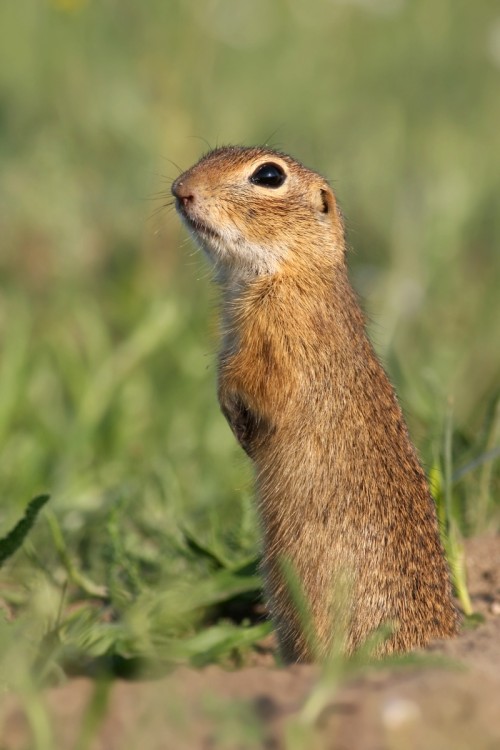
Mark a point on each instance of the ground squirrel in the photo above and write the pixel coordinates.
(342, 497)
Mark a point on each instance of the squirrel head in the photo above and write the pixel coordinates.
(256, 212)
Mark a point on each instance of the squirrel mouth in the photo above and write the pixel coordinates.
(198, 227)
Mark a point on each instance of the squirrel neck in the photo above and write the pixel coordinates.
(313, 313)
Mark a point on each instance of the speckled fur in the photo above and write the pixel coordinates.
(341, 493)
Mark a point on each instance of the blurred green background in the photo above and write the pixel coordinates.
(108, 317)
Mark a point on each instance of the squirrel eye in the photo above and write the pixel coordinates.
(268, 175)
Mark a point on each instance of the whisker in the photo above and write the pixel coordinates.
(268, 140)
(156, 196)
(165, 158)
(203, 140)
(160, 209)
(165, 177)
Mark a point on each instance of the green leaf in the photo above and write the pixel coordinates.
(14, 539)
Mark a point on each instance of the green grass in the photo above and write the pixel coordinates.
(147, 551)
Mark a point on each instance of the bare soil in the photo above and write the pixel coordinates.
(431, 706)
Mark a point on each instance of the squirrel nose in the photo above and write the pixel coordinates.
(182, 193)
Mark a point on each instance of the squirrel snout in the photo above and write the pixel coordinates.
(183, 194)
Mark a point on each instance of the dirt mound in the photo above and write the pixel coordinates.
(431, 707)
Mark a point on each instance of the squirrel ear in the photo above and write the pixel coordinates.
(326, 201)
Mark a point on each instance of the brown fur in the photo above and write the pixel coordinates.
(341, 494)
